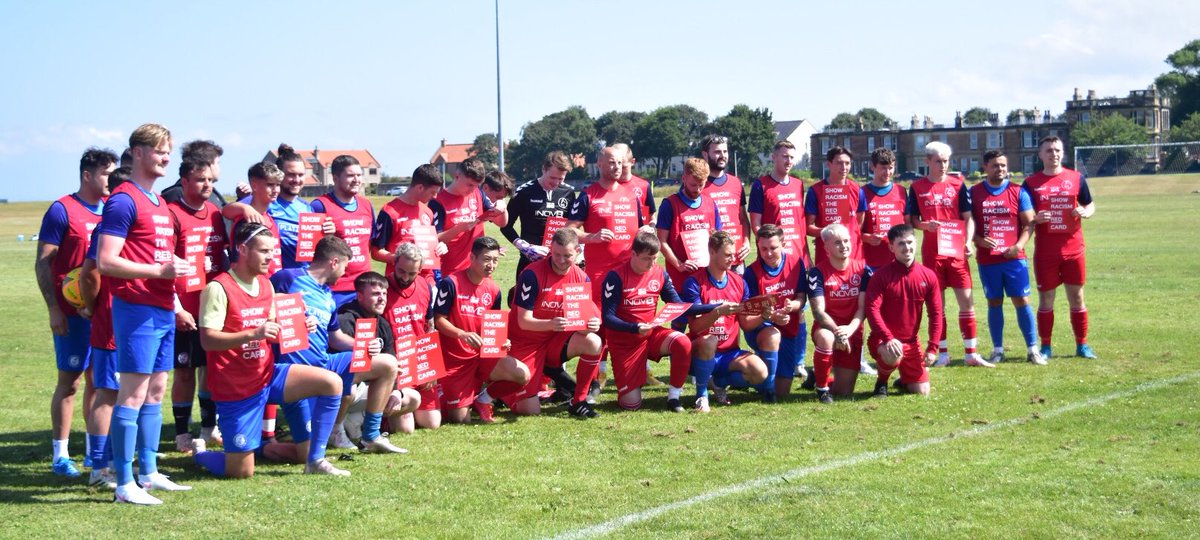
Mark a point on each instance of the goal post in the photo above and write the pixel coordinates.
(1129, 159)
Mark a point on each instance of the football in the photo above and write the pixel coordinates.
(70, 289)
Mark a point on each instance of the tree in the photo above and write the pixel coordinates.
(668, 132)
(1107, 130)
(486, 149)
(571, 131)
(618, 126)
(977, 116)
(1182, 84)
(751, 133)
(867, 118)
(1188, 130)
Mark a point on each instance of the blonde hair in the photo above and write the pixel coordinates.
(151, 135)
(696, 167)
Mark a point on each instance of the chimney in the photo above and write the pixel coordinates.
(1046, 117)
(1078, 96)
(913, 125)
(443, 142)
(928, 122)
(958, 119)
(1091, 94)
(1037, 115)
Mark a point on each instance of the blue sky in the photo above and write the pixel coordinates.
(397, 77)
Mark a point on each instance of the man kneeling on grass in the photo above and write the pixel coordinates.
(237, 319)
(895, 296)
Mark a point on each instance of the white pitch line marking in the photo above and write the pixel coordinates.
(612, 525)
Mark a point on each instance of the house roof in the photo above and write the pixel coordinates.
(451, 153)
(785, 128)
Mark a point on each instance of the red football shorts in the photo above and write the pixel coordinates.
(912, 364)
(629, 353)
(847, 359)
(535, 354)
(951, 273)
(1053, 269)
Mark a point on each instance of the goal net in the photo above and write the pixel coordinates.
(1127, 159)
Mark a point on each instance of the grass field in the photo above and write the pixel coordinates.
(1107, 448)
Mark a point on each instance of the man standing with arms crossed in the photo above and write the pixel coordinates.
(1003, 215)
(1061, 199)
(137, 250)
(727, 192)
(895, 296)
(933, 201)
(63, 241)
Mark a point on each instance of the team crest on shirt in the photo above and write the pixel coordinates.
(472, 205)
(562, 203)
(638, 191)
(654, 284)
(240, 440)
(486, 299)
(1066, 185)
(949, 191)
(855, 280)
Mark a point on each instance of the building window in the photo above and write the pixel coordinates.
(919, 143)
(1085, 117)
(1027, 164)
(871, 143)
(995, 139)
(974, 140)
(846, 142)
(974, 164)
(1029, 139)
(943, 137)
(889, 142)
(372, 171)
(962, 166)
(825, 144)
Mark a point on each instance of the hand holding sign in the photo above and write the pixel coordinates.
(293, 326)
(670, 312)
(951, 237)
(494, 333)
(364, 338)
(419, 360)
(309, 232)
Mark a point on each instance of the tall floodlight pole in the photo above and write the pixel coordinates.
(499, 128)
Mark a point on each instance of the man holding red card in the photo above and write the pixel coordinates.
(940, 205)
(237, 322)
(780, 336)
(837, 199)
(1061, 199)
(1004, 214)
(314, 283)
(409, 312)
(631, 294)
(199, 238)
(685, 220)
(408, 218)
(553, 320)
(715, 351)
(458, 308)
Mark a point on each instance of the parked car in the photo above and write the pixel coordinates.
(908, 176)
(398, 190)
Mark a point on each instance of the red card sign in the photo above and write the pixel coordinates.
(669, 313)
(194, 247)
(886, 218)
(578, 307)
(308, 234)
(951, 235)
(364, 334)
(1061, 207)
(425, 237)
(1002, 230)
(553, 224)
(695, 246)
(760, 304)
(419, 360)
(293, 332)
(494, 333)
